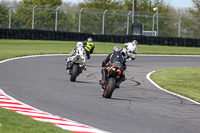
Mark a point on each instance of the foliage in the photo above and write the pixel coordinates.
(101, 4)
(47, 16)
(42, 2)
(22, 18)
(44, 15)
(117, 17)
(194, 23)
(119, 24)
(4, 15)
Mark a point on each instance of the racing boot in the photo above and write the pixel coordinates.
(68, 64)
(103, 84)
(84, 67)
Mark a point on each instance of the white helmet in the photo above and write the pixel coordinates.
(79, 44)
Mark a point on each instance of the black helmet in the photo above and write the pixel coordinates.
(90, 39)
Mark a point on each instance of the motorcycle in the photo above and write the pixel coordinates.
(114, 73)
(76, 64)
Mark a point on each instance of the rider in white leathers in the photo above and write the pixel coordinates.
(130, 50)
(78, 50)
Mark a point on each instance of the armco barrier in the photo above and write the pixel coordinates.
(36, 34)
(198, 42)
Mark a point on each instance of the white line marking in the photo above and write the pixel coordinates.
(159, 87)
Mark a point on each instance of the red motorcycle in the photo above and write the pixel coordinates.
(114, 73)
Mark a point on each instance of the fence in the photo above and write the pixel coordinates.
(96, 21)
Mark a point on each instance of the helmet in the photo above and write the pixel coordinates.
(135, 42)
(117, 48)
(79, 44)
(90, 39)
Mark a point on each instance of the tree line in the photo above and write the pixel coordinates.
(116, 15)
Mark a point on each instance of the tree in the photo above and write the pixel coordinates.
(44, 15)
(4, 15)
(42, 2)
(101, 4)
(196, 10)
(92, 22)
(117, 23)
(195, 14)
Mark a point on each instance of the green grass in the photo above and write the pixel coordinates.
(12, 122)
(168, 50)
(14, 48)
(183, 81)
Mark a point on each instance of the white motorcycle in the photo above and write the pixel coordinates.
(76, 62)
(130, 50)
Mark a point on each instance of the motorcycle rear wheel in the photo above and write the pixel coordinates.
(110, 88)
(74, 73)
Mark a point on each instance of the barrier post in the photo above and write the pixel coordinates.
(128, 23)
(56, 18)
(33, 16)
(10, 15)
(79, 27)
(153, 23)
(179, 26)
(103, 21)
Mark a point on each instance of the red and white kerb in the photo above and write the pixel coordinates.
(10, 103)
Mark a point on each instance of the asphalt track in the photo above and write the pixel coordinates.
(137, 107)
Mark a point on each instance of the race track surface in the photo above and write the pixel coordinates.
(137, 107)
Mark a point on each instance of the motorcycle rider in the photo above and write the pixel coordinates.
(130, 50)
(116, 57)
(89, 46)
(69, 63)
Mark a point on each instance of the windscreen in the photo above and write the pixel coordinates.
(117, 59)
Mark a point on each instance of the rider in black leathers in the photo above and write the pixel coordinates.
(114, 59)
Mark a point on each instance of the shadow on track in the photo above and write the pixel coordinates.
(84, 82)
(137, 82)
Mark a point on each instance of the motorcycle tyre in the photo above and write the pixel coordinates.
(74, 73)
(111, 87)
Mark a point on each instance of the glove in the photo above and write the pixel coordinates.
(103, 64)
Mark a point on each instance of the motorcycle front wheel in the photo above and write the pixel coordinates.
(74, 73)
(110, 88)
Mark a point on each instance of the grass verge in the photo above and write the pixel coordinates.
(183, 81)
(14, 48)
